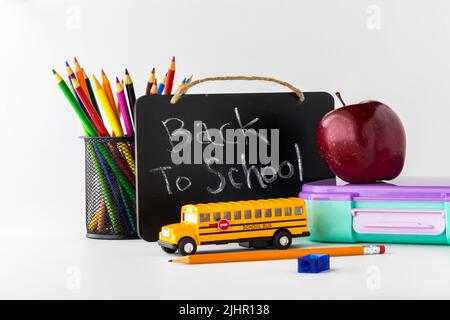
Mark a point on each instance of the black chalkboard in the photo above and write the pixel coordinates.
(164, 186)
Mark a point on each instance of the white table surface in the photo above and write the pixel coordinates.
(47, 256)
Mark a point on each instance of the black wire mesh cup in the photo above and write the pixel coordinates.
(110, 188)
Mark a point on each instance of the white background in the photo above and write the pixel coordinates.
(394, 51)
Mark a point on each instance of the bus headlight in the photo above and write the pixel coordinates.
(165, 233)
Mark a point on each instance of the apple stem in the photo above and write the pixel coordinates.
(338, 94)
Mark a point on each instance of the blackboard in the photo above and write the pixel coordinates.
(164, 184)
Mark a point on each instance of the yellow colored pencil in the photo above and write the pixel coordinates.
(109, 110)
(279, 254)
(108, 90)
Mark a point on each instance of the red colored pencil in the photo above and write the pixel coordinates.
(95, 118)
(170, 77)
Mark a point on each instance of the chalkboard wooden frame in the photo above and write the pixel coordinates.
(295, 121)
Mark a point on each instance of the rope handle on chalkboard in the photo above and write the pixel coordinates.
(184, 88)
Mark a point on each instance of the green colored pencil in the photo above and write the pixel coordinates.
(74, 103)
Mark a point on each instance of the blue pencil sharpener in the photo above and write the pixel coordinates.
(313, 263)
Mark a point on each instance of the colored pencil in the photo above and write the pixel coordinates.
(80, 77)
(109, 110)
(70, 72)
(150, 81)
(170, 77)
(124, 109)
(122, 102)
(130, 91)
(87, 125)
(154, 91)
(108, 184)
(108, 90)
(131, 216)
(95, 118)
(161, 85)
(102, 217)
(91, 93)
(278, 254)
(182, 83)
(70, 76)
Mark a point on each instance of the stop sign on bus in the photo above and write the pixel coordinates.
(223, 224)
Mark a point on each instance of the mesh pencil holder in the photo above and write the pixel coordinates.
(110, 188)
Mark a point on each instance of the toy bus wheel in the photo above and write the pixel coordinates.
(187, 246)
(282, 240)
(168, 250)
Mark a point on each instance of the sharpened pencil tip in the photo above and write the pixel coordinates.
(170, 260)
(103, 73)
(173, 58)
(96, 83)
(117, 80)
(75, 59)
(126, 71)
(153, 70)
(67, 64)
(53, 71)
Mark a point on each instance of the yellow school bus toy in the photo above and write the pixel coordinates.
(253, 223)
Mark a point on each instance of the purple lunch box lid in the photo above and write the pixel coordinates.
(403, 188)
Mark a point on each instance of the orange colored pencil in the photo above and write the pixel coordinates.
(95, 118)
(80, 77)
(107, 87)
(170, 77)
(278, 254)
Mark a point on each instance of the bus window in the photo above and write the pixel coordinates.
(227, 215)
(216, 216)
(277, 212)
(268, 213)
(190, 217)
(248, 214)
(204, 217)
(287, 211)
(257, 213)
(237, 215)
(298, 211)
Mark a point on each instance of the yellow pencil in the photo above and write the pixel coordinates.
(279, 254)
(110, 114)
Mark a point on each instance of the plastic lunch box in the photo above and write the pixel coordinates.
(405, 210)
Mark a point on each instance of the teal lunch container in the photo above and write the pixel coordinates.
(404, 210)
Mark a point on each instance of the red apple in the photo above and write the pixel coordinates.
(363, 142)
